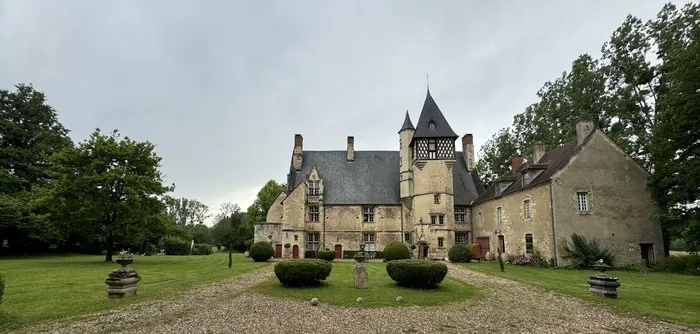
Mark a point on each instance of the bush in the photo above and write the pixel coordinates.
(460, 253)
(396, 251)
(584, 253)
(202, 249)
(416, 273)
(261, 251)
(327, 255)
(175, 246)
(2, 287)
(683, 264)
(302, 272)
(309, 254)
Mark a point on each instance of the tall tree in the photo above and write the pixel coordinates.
(257, 212)
(225, 210)
(29, 133)
(107, 185)
(676, 142)
(495, 156)
(187, 211)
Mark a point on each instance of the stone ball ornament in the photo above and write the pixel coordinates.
(314, 301)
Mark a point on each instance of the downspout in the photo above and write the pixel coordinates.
(554, 235)
(324, 228)
(403, 239)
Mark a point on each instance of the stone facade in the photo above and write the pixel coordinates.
(339, 200)
(589, 187)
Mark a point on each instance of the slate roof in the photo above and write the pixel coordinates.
(551, 162)
(372, 179)
(431, 112)
(407, 125)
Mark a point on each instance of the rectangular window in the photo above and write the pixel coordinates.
(433, 219)
(527, 209)
(368, 239)
(528, 243)
(526, 178)
(368, 214)
(436, 198)
(407, 237)
(313, 188)
(480, 219)
(460, 214)
(312, 241)
(582, 201)
(437, 219)
(432, 149)
(441, 242)
(461, 238)
(313, 213)
(499, 215)
(296, 238)
(441, 219)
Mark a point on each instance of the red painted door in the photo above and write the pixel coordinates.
(338, 251)
(295, 251)
(485, 248)
(278, 250)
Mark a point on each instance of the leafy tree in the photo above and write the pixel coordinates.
(200, 233)
(225, 210)
(495, 156)
(107, 186)
(232, 231)
(676, 142)
(29, 133)
(257, 212)
(187, 211)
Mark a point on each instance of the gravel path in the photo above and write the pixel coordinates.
(505, 306)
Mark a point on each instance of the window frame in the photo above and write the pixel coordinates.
(311, 214)
(527, 209)
(314, 188)
(369, 238)
(436, 198)
(460, 235)
(368, 214)
(531, 244)
(311, 244)
(441, 242)
(499, 215)
(586, 202)
(460, 214)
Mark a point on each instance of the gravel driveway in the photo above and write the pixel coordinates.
(506, 306)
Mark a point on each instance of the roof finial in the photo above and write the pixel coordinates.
(427, 81)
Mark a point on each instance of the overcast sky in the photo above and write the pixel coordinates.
(221, 87)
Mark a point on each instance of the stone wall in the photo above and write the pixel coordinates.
(514, 225)
(621, 208)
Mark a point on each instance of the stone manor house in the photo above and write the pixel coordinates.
(427, 195)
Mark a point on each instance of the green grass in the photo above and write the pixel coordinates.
(670, 297)
(339, 289)
(54, 287)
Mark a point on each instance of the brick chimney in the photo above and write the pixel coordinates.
(537, 151)
(583, 129)
(516, 161)
(351, 148)
(468, 151)
(298, 154)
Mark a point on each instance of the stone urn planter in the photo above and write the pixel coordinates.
(602, 284)
(122, 281)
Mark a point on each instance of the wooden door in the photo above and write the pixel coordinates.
(338, 251)
(501, 244)
(295, 251)
(485, 247)
(278, 250)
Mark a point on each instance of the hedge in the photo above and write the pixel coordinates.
(460, 253)
(416, 273)
(202, 249)
(175, 246)
(396, 251)
(261, 251)
(309, 254)
(302, 272)
(327, 255)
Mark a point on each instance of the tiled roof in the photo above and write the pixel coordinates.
(431, 113)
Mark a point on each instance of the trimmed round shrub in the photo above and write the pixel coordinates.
(202, 249)
(460, 253)
(416, 273)
(302, 272)
(175, 246)
(327, 255)
(396, 251)
(261, 251)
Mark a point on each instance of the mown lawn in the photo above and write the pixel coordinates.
(339, 289)
(53, 287)
(670, 297)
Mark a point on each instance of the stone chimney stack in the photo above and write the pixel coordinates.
(468, 151)
(516, 161)
(298, 155)
(537, 151)
(351, 148)
(583, 129)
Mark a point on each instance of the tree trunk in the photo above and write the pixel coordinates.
(667, 241)
(110, 247)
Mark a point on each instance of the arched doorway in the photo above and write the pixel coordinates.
(295, 251)
(422, 250)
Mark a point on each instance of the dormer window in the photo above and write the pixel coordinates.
(501, 187)
(526, 178)
(431, 125)
(314, 188)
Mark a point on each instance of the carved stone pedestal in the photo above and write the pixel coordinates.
(602, 284)
(360, 275)
(122, 281)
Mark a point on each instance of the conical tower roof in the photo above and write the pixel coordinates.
(432, 123)
(407, 124)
